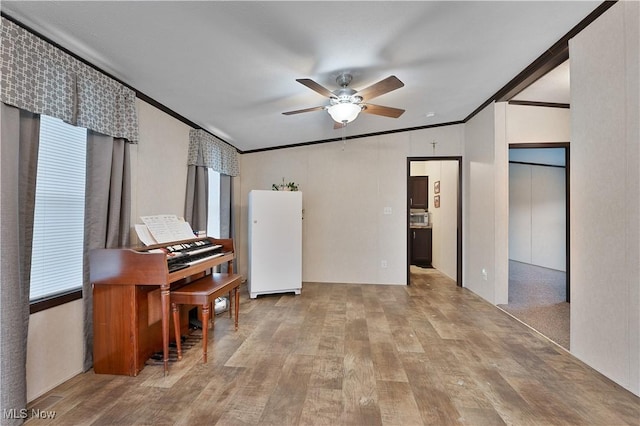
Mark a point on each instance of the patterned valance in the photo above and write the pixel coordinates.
(208, 151)
(40, 78)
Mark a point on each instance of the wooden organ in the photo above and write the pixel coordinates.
(131, 287)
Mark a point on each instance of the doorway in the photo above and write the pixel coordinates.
(443, 177)
(539, 267)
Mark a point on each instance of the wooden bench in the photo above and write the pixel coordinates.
(203, 292)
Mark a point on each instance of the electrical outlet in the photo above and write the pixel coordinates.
(383, 264)
(387, 210)
(484, 274)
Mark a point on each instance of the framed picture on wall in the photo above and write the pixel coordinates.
(436, 201)
(436, 187)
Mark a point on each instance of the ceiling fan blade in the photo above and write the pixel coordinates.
(315, 87)
(380, 88)
(383, 110)
(298, 111)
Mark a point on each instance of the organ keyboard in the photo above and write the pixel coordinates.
(131, 288)
(183, 255)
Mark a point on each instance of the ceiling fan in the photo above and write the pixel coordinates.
(346, 103)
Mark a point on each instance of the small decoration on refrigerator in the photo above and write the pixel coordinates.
(291, 186)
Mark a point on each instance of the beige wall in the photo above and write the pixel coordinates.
(534, 124)
(159, 165)
(485, 211)
(346, 187)
(605, 195)
(445, 245)
(54, 347)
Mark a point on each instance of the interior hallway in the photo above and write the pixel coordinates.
(428, 353)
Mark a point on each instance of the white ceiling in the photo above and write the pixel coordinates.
(230, 66)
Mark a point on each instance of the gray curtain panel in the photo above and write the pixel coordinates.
(18, 168)
(107, 212)
(195, 211)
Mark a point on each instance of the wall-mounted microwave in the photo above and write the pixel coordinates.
(419, 217)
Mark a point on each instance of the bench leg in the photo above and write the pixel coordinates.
(236, 296)
(176, 326)
(205, 329)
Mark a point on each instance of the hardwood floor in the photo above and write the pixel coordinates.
(429, 353)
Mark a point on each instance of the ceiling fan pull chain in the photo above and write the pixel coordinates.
(344, 135)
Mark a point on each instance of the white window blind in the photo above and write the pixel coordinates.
(58, 234)
(213, 209)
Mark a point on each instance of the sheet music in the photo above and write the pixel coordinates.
(144, 235)
(167, 228)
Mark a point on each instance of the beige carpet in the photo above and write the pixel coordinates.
(537, 297)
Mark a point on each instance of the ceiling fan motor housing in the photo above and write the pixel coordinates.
(345, 96)
(344, 79)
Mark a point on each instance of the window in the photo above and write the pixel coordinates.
(58, 234)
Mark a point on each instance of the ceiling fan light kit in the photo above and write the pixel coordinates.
(344, 112)
(345, 104)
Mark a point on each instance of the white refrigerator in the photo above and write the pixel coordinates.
(275, 242)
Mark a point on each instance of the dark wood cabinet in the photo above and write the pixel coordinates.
(418, 192)
(421, 246)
